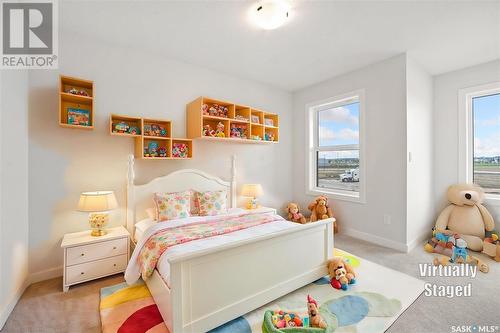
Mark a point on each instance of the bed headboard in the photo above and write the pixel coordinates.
(140, 197)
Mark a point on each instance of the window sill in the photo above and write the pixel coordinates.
(338, 195)
(492, 200)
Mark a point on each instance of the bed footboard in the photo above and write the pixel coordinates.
(211, 287)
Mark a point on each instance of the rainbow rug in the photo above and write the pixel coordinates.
(370, 306)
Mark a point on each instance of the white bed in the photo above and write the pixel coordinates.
(202, 284)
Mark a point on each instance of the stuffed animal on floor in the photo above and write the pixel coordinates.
(466, 215)
(315, 319)
(319, 209)
(294, 214)
(341, 273)
(455, 251)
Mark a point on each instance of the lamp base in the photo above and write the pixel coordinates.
(97, 222)
(98, 232)
(252, 203)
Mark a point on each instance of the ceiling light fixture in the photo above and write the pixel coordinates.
(270, 14)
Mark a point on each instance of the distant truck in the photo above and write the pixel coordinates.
(351, 175)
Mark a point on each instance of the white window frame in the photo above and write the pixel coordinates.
(312, 146)
(466, 134)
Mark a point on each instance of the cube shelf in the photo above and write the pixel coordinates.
(76, 103)
(241, 123)
(125, 125)
(154, 134)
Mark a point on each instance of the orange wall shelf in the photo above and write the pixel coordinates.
(150, 130)
(76, 96)
(257, 126)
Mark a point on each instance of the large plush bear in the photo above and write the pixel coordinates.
(466, 215)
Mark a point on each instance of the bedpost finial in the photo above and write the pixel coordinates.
(131, 173)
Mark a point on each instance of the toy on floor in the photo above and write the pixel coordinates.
(315, 319)
(319, 209)
(294, 214)
(466, 215)
(491, 246)
(459, 252)
(220, 130)
(341, 273)
(282, 319)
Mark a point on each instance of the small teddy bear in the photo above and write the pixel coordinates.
(341, 273)
(294, 214)
(319, 209)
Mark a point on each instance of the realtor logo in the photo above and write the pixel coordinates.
(29, 34)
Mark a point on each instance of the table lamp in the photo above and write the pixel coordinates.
(98, 204)
(252, 191)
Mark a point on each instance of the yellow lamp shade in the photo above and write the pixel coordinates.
(252, 190)
(101, 201)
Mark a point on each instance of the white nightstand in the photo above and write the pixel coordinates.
(261, 210)
(87, 258)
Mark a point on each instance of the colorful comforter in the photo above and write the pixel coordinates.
(175, 234)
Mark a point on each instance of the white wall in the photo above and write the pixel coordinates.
(13, 189)
(65, 162)
(385, 119)
(419, 142)
(446, 87)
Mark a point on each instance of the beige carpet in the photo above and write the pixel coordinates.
(45, 309)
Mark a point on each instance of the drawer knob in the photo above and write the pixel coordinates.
(114, 265)
(114, 247)
(83, 254)
(82, 273)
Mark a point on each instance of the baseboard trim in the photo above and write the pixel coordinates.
(5, 313)
(418, 240)
(46, 274)
(401, 247)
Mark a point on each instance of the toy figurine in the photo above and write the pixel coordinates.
(121, 127)
(204, 109)
(282, 319)
(153, 149)
(147, 129)
(163, 131)
(180, 150)
(162, 152)
(208, 130)
(155, 130)
(220, 130)
(268, 137)
(73, 91)
(134, 130)
(315, 318)
(146, 153)
(212, 111)
(238, 131)
(240, 117)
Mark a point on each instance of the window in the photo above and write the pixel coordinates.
(335, 163)
(480, 137)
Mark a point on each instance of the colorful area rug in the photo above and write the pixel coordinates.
(371, 305)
